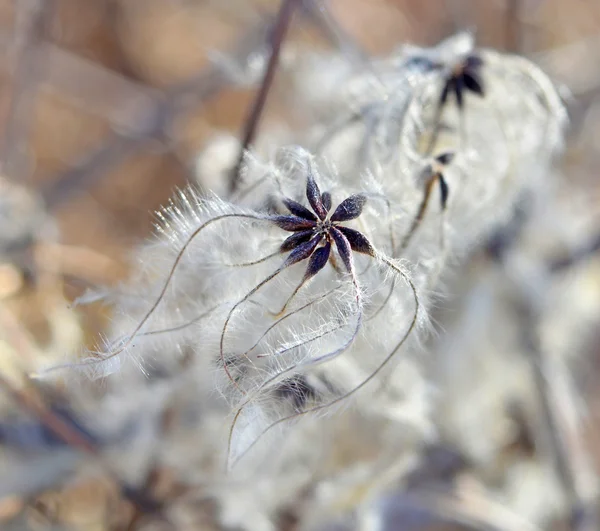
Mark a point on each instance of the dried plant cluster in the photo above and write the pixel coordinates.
(281, 350)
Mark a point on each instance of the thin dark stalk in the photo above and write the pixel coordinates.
(513, 26)
(437, 120)
(280, 30)
(420, 213)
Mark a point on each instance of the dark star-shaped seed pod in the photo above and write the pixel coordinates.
(465, 76)
(311, 229)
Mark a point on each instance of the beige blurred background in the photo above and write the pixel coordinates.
(105, 104)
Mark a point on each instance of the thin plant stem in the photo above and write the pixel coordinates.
(280, 30)
(228, 319)
(287, 316)
(420, 213)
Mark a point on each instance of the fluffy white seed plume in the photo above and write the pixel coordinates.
(284, 325)
(498, 114)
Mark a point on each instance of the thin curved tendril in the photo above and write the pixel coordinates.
(297, 310)
(416, 222)
(188, 323)
(226, 324)
(386, 360)
(393, 253)
(316, 361)
(437, 120)
(376, 160)
(291, 297)
(238, 196)
(335, 130)
(162, 293)
(255, 262)
(384, 303)
(305, 341)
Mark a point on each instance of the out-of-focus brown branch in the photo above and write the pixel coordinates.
(513, 26)
(32, 402)
(32, 25)
(280, 30)
(150, 118)
(30, 399)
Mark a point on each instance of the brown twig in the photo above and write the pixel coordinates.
(280, 30)
(420, 212)
(33, 403)
(513, 26)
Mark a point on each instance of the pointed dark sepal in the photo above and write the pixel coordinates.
(358, 242)
(459, 87)
(349, 208)
(318, 261)
(344, 249)
(326, 199)
(291, 242)
(313, 194)
(445, 158)
(473, 62)
(299, 210)
(292, 223)
(446, 90)
(444, 191)
(302, 251)
(296, 390)
(474, 83)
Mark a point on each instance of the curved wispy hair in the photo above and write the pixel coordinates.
(309, 291)
(223, 285)
(499, 116)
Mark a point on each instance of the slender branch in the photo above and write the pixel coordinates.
(54, 422)
(280, 30)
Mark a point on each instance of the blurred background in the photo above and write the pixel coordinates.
(105, 106)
